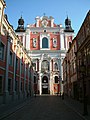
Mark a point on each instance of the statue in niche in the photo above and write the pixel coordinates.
(44, 23)
(56, 66)
(34, 43)
(54, 43)
(45, 65)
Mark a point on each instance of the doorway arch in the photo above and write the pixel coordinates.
(45, 85)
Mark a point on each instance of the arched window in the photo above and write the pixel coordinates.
(44, 42)
(56, 66)
(56, 79)
(45, 79)
(34, 79)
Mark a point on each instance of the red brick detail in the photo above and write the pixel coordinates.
(2, 63)
(37, 36)
(57, 36)
(10, 75)
(4, 39)
(2, 72)
(56, 88)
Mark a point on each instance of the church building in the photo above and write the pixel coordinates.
(46, 43)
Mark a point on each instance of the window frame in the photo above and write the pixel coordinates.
(3, 51)
(11, 58)
(44, 47)
(1, 91)
(56, 82)
(10, 89)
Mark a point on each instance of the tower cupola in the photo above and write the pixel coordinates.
(20, 27)
(21, 21)
(68, 27)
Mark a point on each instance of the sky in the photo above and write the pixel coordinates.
(59, 9)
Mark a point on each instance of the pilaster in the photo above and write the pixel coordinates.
(62, 44)
(61, 73)
(24, 90)
(14, 77)
(40, 85)
(6, 94)
(19, 92)
(50, 65)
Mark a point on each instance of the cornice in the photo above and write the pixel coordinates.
(46, 51)
(3, 2)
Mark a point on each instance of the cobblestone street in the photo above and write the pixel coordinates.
(44, 108)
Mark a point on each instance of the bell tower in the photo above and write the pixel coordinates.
(20, 27)
(69, 33)
(68, 27)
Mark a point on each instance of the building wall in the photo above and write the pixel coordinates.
(70, 71)
(83, 57)
(12, 55)
(78, 57)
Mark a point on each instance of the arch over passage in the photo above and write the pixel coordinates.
(45, 85)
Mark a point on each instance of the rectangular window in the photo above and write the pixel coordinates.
(4, 30)
(0, 84)
(16, 85)
(1, 51)
(21, 68)
(21, 86)
(16, 64)
(25, 86)
(10, 61)
(29, 74)
(9, 85)
(56, 79)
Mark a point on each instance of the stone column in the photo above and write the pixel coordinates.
(37, 21)
(50, 65)
(28, 39)
(19, 92)
(61, 73)
(14, 76)
(24, 90)
(40, 85)
(28, 80)
(32, 80)
(62, 44)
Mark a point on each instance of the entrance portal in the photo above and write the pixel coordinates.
(45, 85)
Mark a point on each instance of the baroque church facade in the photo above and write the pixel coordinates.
(46, 43)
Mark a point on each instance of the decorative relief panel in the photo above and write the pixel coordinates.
(54, 42)
(44, 23)
(34, 42)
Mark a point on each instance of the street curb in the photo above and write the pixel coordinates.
(79, 114)
(9, 113)
(14, 110)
